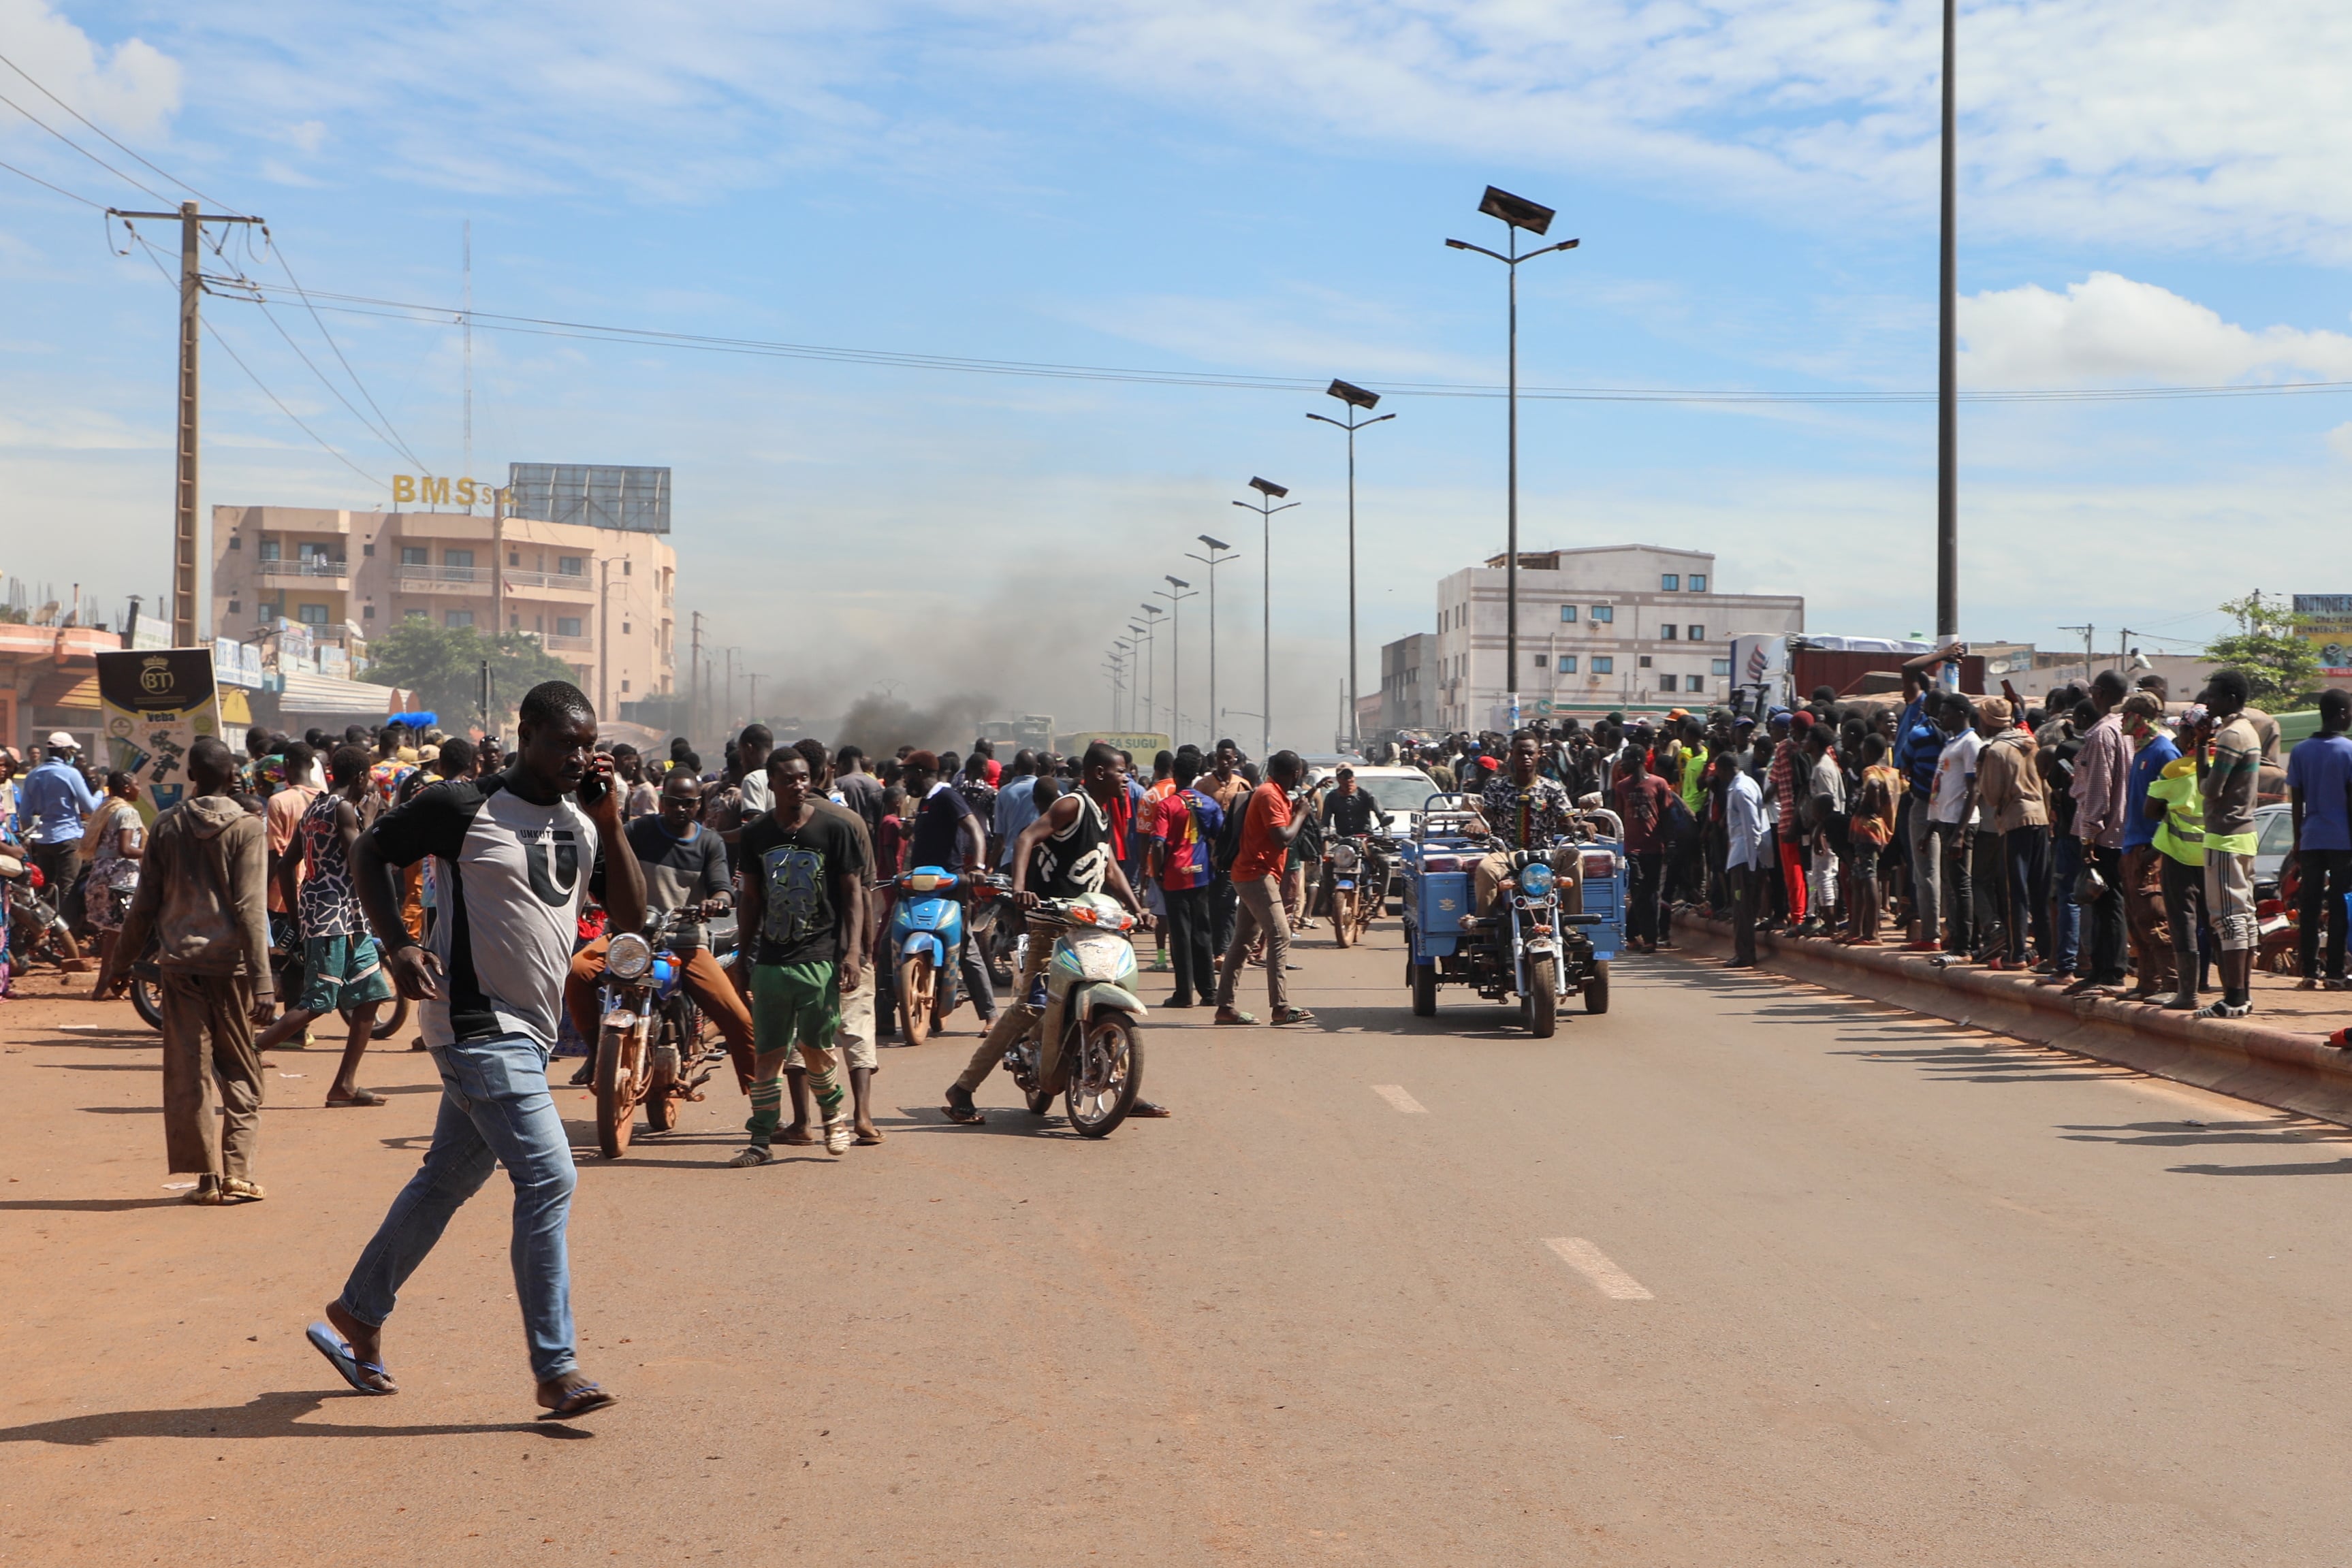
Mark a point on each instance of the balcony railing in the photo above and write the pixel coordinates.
(311, 566)
(576, 581)
(555, 643)
(416, 576)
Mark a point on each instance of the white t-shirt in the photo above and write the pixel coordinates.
(1954, 769)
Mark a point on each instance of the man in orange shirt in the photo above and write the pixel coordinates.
(1270, 824)
(283, 816)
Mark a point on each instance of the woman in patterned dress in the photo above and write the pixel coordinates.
(121, 838)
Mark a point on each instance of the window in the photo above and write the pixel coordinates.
(1602, 664)
(514, 558)
(415, 555)
(1698, 583)
(627, 567)
(311, 614)
(569, 566)
(625, 628)
(416, 614)
(514, 622)
(1722, 667)
(1667, 632)
(235, 605)
(1567, 612)
(624, 687)
(1694, 683)
(1697, 634)
(367, 549)
(313, 550)
(1645, 661)
(1540, 660)
(268, 551)
(459, 557)
(236, 541)
(1568, 664)
(367, 612)
(1605, 614)
(453, 619)
(1665, 683)
(567, 626)
(1669, 582)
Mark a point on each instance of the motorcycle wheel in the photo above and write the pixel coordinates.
(1543, 998)
(1424, 990)
(147, 1000)
(620, 1062)
(387, 1024)
(1343, 918)
(1596, 990)
(661, 1106)
(915, 997)
(1040, 1101)
(1107, 1076)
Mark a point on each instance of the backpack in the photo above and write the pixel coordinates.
(1229, 838)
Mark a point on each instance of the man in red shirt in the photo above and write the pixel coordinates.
(1269, 826)
(1643, 800)
(1185, 822)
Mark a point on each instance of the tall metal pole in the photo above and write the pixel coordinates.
(1947, 411)
(1357, 398)
(1511, 544)
(1176, 592)
(1267, 493)
(184, 511)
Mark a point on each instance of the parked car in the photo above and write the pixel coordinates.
(2274, 838)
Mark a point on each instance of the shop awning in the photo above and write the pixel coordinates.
(323, 695)
(67, 691)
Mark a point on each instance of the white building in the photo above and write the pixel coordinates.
(1613, 627)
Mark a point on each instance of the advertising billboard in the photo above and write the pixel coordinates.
(636, 500)
(2329, 630)
(156, 704)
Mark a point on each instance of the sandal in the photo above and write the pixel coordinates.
(236, 1189)
(367, 1376)
(1149, 1108)
(757, 1154)
(356, 1097)
(1234, 1016)
(960, 1108)
(872, 1138)
(584, 1400)
(208, 1192)
(1293, 1015)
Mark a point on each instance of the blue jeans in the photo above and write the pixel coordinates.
(2066, 865)
(495, 1110)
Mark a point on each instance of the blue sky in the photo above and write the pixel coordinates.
(2153, 197)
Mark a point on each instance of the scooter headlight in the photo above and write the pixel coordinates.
(630, 958)
(1535, 881)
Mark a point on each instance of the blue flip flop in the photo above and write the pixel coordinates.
(338, 1352)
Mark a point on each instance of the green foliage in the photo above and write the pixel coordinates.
(2269, 646)
(442, 665)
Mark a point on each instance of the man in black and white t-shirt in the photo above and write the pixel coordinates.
(512, 857)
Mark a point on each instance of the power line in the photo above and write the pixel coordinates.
(389, 437)
(61, 190)
(78, 114)
(591, 331)
(79, 148)
(397, 440)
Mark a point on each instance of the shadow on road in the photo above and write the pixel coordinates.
(1996, 1064)
(2329, 1167)
(2267, 1133)
(91, 1205)
(265, 1415)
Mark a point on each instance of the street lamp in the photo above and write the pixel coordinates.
(1516, 214)
(1213, 560)
(1114, 669)
(1149, 610)
(1176, 593)
(1948, 410)
(1127, 653)
(1358, 400)
(1268, 492)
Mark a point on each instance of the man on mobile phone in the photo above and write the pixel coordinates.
(513, 855)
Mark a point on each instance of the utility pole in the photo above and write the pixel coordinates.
(468, 470)
(1268, 492)
(753, 698)
(184, 513)
(1152, 613)
(1213, 560)
(1357, 399)
(2087, 633)
(694, 682)
(1948, 371)
(1176, 592)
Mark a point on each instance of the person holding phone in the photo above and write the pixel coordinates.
(515, 853)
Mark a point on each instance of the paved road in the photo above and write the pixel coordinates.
(1742, 1273)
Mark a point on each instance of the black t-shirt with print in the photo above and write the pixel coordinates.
(939, 828)
(796, 867)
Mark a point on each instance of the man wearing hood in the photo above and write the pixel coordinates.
(2017, 812)
(201, 895)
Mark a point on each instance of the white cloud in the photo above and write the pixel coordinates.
(2108, 329)
(132, 90)
(2339, 441)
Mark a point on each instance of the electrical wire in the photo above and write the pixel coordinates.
(79, 148)
(590, 331)
(78, 114)
(61, 190)
(397, 441)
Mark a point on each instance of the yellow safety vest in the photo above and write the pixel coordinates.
(2182, 833)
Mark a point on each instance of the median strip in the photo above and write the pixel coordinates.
(1394, 1094)
(1593, 1264)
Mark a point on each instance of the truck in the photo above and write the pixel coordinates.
(1782, 669)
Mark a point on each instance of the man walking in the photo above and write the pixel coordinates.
(1270, 825)
(513, 863)
(2319, 786)
(201, 898)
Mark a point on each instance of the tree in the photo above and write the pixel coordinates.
(2269, 646)
(442, 665)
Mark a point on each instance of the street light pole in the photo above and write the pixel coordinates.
(1268, 492)
(1213, 560)
(1517, 212)
(1176, 593)
(1151, 611)
(1126, 655)
(1356, 398)
(1948, 410)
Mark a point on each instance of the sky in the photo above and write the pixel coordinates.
(2152, 196)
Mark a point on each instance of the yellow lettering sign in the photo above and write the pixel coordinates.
(404, 488)
(466, 494)
(432, 491)
(411, 489)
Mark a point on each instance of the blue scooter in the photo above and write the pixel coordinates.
(926, 937)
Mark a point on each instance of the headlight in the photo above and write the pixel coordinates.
(1343, 857)
(1535, 882)
(630, 958)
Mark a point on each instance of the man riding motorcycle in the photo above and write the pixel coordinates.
(1350, 811)
(1524, 811)
(685, 876)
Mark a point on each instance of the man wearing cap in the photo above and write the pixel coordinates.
(50, 806)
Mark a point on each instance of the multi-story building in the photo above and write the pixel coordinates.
(597, 598)
(1408, 685)
(1613, 627)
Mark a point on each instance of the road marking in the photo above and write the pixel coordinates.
(1395, 1096)
(1593, 1264)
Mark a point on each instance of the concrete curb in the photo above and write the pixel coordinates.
(2251, 1060)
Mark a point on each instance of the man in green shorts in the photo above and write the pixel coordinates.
(804, 895)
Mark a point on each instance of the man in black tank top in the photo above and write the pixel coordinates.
(1064, 852)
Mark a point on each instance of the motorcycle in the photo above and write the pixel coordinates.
(36, 931)
(284, 972)
(926, 932)
(1356, 872)
(1079, 1039)
(1528, 946)
(650, 1050)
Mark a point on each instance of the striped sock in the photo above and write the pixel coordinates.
(827, 1085)
(767, 1110)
